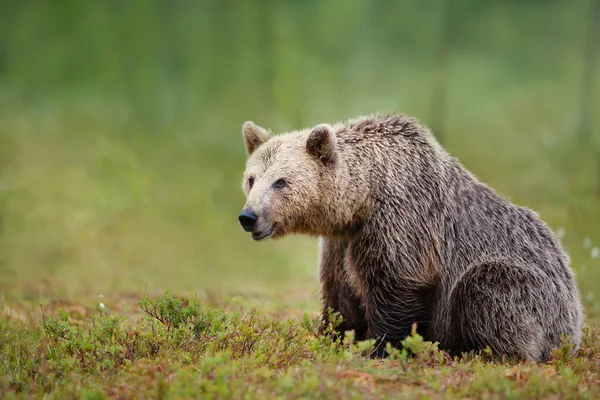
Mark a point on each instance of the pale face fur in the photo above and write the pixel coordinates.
(284, 180)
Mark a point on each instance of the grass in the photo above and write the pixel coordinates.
(168, 346)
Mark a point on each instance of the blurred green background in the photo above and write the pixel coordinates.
(120, 125)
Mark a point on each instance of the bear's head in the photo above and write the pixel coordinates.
(286, 179)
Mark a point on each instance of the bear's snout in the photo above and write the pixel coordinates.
(248, 220)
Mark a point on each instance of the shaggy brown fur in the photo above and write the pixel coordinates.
(407, 235)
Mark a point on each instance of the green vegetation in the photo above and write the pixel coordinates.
(188, 348)
(120, 171)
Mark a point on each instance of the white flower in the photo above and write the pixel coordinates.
(101, 305)
(587, 242)
(595, 253)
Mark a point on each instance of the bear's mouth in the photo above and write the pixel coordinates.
(264, 234)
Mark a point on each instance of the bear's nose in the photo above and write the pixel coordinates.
(248, 220)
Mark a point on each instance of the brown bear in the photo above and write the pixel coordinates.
(408, 235)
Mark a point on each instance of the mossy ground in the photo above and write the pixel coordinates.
(166, 346)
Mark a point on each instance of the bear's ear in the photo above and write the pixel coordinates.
(254, 136)
(322, 144)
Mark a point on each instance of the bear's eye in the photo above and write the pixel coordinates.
(251, 182)
(280, 183)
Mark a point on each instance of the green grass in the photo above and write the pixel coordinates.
(191, 347)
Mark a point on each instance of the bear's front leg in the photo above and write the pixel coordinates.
(336, 292)
(391, 313)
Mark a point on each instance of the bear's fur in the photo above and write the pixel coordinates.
(408, 235)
